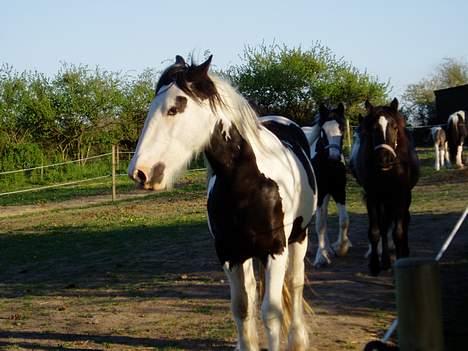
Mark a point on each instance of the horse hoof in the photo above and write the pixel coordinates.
(341, 248)
(374, 265)
(386, 264)
(322, 258)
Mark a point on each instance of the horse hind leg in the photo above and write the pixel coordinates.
(322, 256)
(342, 244)
(243, 304)
(298, 338)
(437, 157)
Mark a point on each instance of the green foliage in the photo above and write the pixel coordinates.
(293, 81)
(419, 98)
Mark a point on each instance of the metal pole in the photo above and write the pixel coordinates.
(114, 195)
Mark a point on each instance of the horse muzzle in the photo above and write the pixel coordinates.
(386, 157)
(149, 179)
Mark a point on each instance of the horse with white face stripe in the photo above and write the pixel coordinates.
(330, 170)
(261, 190)
(456, 135)
(385, 164)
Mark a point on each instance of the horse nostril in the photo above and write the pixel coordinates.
(141, 177)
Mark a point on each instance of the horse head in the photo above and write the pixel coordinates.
(332, 124)
(178, 124)
(384, 127)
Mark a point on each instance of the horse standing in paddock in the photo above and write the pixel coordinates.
(261, 190)
(456, 134)
(385, 164)
(440, 146)
(326, 148)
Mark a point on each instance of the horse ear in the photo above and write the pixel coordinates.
(368, 106)
(394, 104)
(179, 60)
(340, 109)
(323, 110)
(205, 66)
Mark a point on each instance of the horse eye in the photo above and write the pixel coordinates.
(172, 111)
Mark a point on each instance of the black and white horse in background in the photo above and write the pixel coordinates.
(326, 147)
(261, 190)
(440, 146)
(385, 164)
(456, 134)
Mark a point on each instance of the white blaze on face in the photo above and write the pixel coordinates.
(383, 124)
(334, 134)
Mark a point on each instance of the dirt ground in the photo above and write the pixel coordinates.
(153, 293)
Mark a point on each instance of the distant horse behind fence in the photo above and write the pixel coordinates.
(456, 134)
(439, 139)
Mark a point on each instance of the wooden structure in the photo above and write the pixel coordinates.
(449, 101)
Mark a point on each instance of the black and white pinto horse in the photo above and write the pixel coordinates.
(326, 149)
(456, 134)
(261, 190)
(385, 164)
(440, 147)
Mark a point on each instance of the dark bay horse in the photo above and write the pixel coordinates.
(330, 171)
(456, 134)
(261, 191)
(385, 164)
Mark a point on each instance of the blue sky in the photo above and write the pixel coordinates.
(400, 41)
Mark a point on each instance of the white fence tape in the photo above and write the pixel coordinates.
(55, 164)
(53, 185)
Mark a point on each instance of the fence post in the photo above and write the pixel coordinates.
(114, 195)
(42, 168)
(118, 157)
(348, 135)
(418, 297)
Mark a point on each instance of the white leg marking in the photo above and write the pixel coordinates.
(272, 306)
(243, 304)
(298, 338)
(391, 244)
(323, 256)
(342, 244)
(459, 156)
(437, 157)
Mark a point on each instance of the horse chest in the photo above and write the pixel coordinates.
(246, 219)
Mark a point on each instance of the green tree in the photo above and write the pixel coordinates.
(293, 81)
(88, 105)
(419, 98)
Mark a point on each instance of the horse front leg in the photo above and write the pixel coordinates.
(374, 236)
(298, 338)
(342, 244)
(322, 256)
(272, 306)
(385, 222)
(400, 233)
(243, 304)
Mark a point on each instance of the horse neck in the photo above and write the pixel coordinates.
(227, 152)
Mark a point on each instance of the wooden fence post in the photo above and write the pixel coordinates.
(118, 157)
(418, 297)
(114, 195)
(348, 135)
